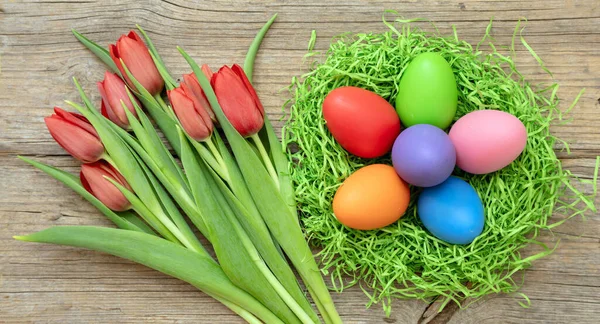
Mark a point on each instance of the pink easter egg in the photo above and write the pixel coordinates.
(487, 140)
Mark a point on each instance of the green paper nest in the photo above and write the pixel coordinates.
(403, 260)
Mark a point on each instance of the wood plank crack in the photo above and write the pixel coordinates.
(431, 315)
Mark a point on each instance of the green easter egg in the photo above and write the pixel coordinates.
(427, 92)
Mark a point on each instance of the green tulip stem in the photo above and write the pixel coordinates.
(161, 222)
(211, 160)
(164, 106)
(138, 206)
(320, 306)
(162, 70)
(243, 313)
(161, 101)
(266, 159)
(213, 149)
(166, 227)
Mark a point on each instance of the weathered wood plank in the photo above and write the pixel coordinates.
(43, 283)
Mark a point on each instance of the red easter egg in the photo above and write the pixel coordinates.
(361, 121)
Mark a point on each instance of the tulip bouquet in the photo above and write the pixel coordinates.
(237, 195)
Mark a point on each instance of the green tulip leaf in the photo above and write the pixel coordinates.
(162, 70)
(249, 62)
(179, 192)
(171, 259)
(281, 166)
(260, 236)
(147, 214)
(275, 211)
(234, 257)
(73, 182)
(165, 121)
(134, 219)
(267, 133)
(122, 157)
(157, 149)
(98, 50)
(173, 213)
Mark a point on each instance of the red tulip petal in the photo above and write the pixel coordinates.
(77, 119)
(136, 57)
(115, 91)
(116, 57)
(85, 183)
(100, 86)
(207, 71)
(192, 90)
(114, 53)
(115, 118)
(133, 35)
(122, 180)
(106, 109)
(190, 120)
(237, 103)
(115, 174)
(103, 109)
(242, 75)
(101, 188)
(103, 100)
(75, 140)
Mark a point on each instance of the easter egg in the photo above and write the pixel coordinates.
(487, 140)
(423, 155)
(371, 197)
(361, 121)
(427, 92)
(451, 211)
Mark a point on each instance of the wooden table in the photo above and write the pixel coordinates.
(39, 56)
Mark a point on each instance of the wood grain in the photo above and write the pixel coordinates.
(38, 57)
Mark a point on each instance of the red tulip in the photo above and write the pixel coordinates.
(193, 89)
(238, 100)
(76, 135)
(93, 179)
(134, 53)
(193, 117)
(112, 90)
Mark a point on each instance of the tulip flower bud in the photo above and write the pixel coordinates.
(194, 117)
(134, 53)
(194, 91)
(93, 179)
(75, 134)
(238, 100)
(112, 90)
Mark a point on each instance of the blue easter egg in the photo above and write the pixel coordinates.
(452, 211)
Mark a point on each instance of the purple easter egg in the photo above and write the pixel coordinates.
(423, 155)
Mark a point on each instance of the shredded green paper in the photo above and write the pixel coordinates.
(403, 260)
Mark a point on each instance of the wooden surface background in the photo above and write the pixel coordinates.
(39, 56)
